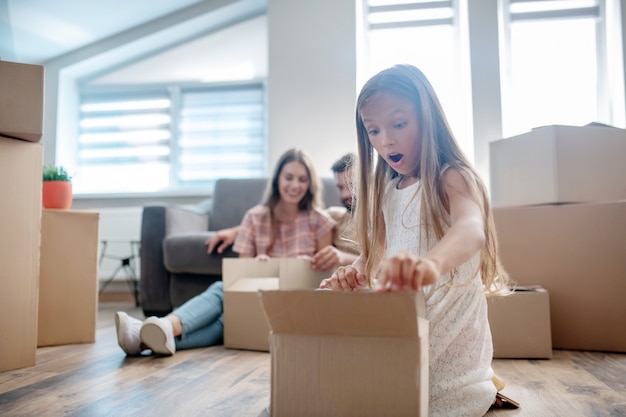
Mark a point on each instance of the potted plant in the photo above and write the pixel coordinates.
(56, 188)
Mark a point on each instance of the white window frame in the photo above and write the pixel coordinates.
(609, 61)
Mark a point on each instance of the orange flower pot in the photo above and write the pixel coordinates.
(57, 195)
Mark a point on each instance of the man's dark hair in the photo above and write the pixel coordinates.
(343, 163)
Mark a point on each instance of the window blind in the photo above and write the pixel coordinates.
(221, 134)
(170, 139)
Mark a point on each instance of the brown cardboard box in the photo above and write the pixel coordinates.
(245, 326)
(21, 100)
(20, 220)
(334, 354)
(559, 164)
(577, 253)
(68, 287)
(520, 324)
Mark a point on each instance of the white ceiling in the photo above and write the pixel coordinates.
(35, 31)
(238, 52)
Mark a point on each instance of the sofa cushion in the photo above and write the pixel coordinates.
(187, 252)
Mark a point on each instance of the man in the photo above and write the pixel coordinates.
(344, 250)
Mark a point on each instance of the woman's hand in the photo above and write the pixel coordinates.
(262, 257)
(222, 239)
(346, 278)
(407, 271)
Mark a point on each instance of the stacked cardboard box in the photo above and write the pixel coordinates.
(21, 101)
(559, 197)
(21, 157)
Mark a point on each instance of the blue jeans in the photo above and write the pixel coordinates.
(202, 318)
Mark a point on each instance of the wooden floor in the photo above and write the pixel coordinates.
(99, 380)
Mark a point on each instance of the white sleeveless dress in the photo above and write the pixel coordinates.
(460, 348)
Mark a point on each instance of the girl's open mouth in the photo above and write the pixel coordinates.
(396, 157)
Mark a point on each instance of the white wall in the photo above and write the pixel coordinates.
(484, 56)
(119, 227)
(312, 78)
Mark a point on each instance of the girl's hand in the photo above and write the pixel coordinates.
(406, 271)
(346, 278)
(262, 257)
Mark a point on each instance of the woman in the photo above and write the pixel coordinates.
(289, 223)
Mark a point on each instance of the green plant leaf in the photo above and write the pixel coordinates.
(53, 173)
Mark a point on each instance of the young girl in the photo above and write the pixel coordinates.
(436, 233)
(288, 224)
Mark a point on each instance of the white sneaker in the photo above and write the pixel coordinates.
(158, 335)
(127, 328)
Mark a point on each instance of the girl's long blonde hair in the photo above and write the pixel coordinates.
(312, 200)
(438, 150)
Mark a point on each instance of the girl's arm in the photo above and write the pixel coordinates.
(347, 278)
(463, 239)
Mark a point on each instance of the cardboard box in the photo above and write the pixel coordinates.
(20, 217)
(559, 164)
(577, 253)
(336, 353)
(245, 326)
(21, 100)
(520, 324)
(68, 288)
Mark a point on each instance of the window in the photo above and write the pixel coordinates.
(167, 139)
(560, 61)
(556, 65)
(426, 34)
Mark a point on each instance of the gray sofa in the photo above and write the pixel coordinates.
(175, 265)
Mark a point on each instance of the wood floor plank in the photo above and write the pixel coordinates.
(556, 386)
(97, 379)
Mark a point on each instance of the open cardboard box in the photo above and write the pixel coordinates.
(520, 324)
(336, 353)
(245, 326)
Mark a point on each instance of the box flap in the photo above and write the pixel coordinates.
(529, 288)
(298, 274)
(517, 288)
(357, 313)
(254, 284)
(235, 268)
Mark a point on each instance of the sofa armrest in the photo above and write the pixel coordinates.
(157, 222)
(187, 253)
